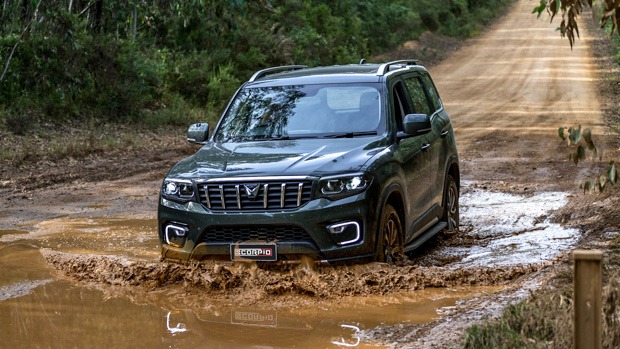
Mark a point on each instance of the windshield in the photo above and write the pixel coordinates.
(306, 111)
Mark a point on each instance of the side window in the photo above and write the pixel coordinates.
(418, 97)
(400, 106)
(432, 92)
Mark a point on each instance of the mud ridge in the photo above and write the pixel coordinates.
(239, 281)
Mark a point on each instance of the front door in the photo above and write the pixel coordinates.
(415, 159)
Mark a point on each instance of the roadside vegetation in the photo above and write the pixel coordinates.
(169, 63)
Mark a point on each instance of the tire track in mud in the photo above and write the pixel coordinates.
(250, 284)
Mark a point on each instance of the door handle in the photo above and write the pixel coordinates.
(426, 146)
(444, 133)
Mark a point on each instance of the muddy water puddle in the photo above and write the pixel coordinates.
(132, 235)
(510, 229)
(41, 309)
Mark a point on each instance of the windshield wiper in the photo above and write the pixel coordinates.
(350, 134)
(282, 138)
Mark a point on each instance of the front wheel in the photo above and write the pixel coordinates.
(390, 237)
(451, 205)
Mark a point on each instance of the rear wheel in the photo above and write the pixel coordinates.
(390, 244)
(451, 205)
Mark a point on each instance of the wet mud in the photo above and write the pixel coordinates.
(249, 284)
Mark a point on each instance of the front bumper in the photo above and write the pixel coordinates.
(314, 217)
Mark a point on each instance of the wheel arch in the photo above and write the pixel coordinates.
(452, 169)
(392, 195)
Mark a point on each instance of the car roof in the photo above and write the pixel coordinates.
(351, 73)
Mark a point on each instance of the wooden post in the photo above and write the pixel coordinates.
(587, 299)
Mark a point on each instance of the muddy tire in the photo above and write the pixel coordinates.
(390, 237)
(451, 205)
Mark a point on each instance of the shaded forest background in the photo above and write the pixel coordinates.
(154, 62)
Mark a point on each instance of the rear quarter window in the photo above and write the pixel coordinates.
(418, 97)
(432, 92)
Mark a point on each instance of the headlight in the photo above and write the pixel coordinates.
(178, 190)
(342, 186)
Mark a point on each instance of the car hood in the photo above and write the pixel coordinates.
(302, 157)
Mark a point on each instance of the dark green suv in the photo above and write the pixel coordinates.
(332, 163)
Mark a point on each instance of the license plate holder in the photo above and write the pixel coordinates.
(254, 252)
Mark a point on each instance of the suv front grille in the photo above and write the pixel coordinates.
(232, 234)
(267, 195)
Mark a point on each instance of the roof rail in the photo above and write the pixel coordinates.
(385, 67)
(259, 74)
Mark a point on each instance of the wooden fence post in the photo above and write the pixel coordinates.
(587, 299)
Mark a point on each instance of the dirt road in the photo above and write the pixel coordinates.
(507, 92)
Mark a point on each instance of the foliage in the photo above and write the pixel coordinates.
(570, 9)
(526, 325)
(615, 39)
(132, 60)
(546, 318)
(585, 146)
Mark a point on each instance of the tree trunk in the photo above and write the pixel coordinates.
(135, 20)
(70, 5)
(98, 14)
(13, 10)
(25, 9)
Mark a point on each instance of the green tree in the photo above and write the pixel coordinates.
(571, 9)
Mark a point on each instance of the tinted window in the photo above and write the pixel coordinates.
(302, 111)
(418, 97)
(432, 92)
(400, 106)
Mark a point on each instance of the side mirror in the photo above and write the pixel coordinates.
(417, 124)
(198, 133)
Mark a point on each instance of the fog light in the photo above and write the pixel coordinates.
(345, 233)
(175, 235)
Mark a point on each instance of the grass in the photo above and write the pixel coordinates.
(545, 320)
(7, 154)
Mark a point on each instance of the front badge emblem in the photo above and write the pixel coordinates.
(251, 191)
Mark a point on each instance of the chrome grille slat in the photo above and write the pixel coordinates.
(238, 196)
(270, 195)
(222, 197)
(299, 192)
(282, 194)
(206, 190)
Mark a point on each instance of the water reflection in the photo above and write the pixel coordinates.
(334, 325)
(178, 328)
(342, 342)
(304, 111)
(260, 327)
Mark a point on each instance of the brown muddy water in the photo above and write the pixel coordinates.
(132, 236)
(40, 309)
(97, 282)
